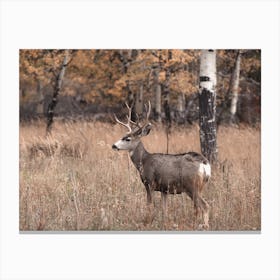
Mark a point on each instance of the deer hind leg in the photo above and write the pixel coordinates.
(206, 214)
(200, 206)
(197, 211)
(203, 205)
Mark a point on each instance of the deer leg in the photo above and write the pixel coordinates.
(196, 212)
(149, 215)
(149, 196)
(204, 207)
(205, 211)
(164, 206)
(149, 192)
(164, 202)
(196, 209)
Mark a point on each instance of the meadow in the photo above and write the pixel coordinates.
(72, 180)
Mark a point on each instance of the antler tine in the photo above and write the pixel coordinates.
(129, 116)
(137, 122)
(129, 121)
(122, 123)
(129, 112)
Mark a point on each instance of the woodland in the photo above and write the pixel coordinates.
(99, 82)
(72, 180)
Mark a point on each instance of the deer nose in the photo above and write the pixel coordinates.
(114, 147)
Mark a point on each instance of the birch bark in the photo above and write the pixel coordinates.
(235, 87)
(207, 104)
(181, 103)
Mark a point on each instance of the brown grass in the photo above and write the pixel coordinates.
(73, 180)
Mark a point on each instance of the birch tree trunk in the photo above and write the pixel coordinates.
(207, 104)
(181, 103)
(57, 89)
(181, 107)
(235, 87)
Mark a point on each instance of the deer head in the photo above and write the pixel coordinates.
(135, 131)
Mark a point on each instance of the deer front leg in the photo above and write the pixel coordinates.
(149, 196)
(149, 193)
(164, 209)
(164, 202)
(150, 213)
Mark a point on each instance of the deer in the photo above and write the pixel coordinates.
(166, 173)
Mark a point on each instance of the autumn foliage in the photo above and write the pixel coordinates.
(108, 78)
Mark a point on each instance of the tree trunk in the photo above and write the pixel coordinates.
(125, 58)
(157, 93)
(234, 87)
(131, 100)
(40, 107)
(57, 89)
(165, 94)
(139, 101)
(181, 107)
(207, 105)
(166, 106)
(181, 103)
(139, 94)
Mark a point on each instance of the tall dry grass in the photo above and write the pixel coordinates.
(73, 180)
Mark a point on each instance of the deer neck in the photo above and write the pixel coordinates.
(138, 155)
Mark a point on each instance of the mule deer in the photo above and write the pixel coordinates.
(166, 173)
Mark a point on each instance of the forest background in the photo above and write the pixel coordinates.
(98, 82)
(70, 179)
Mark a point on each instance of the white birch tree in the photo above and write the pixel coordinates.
(234, 87)
(207, 104)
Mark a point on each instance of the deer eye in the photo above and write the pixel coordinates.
(127, 139)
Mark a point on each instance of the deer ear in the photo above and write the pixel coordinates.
(146, 129)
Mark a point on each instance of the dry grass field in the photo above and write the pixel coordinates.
(73, 180)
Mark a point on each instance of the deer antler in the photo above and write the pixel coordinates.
(129, 116)
(129, 121)
(124, 124)
(127, 125)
